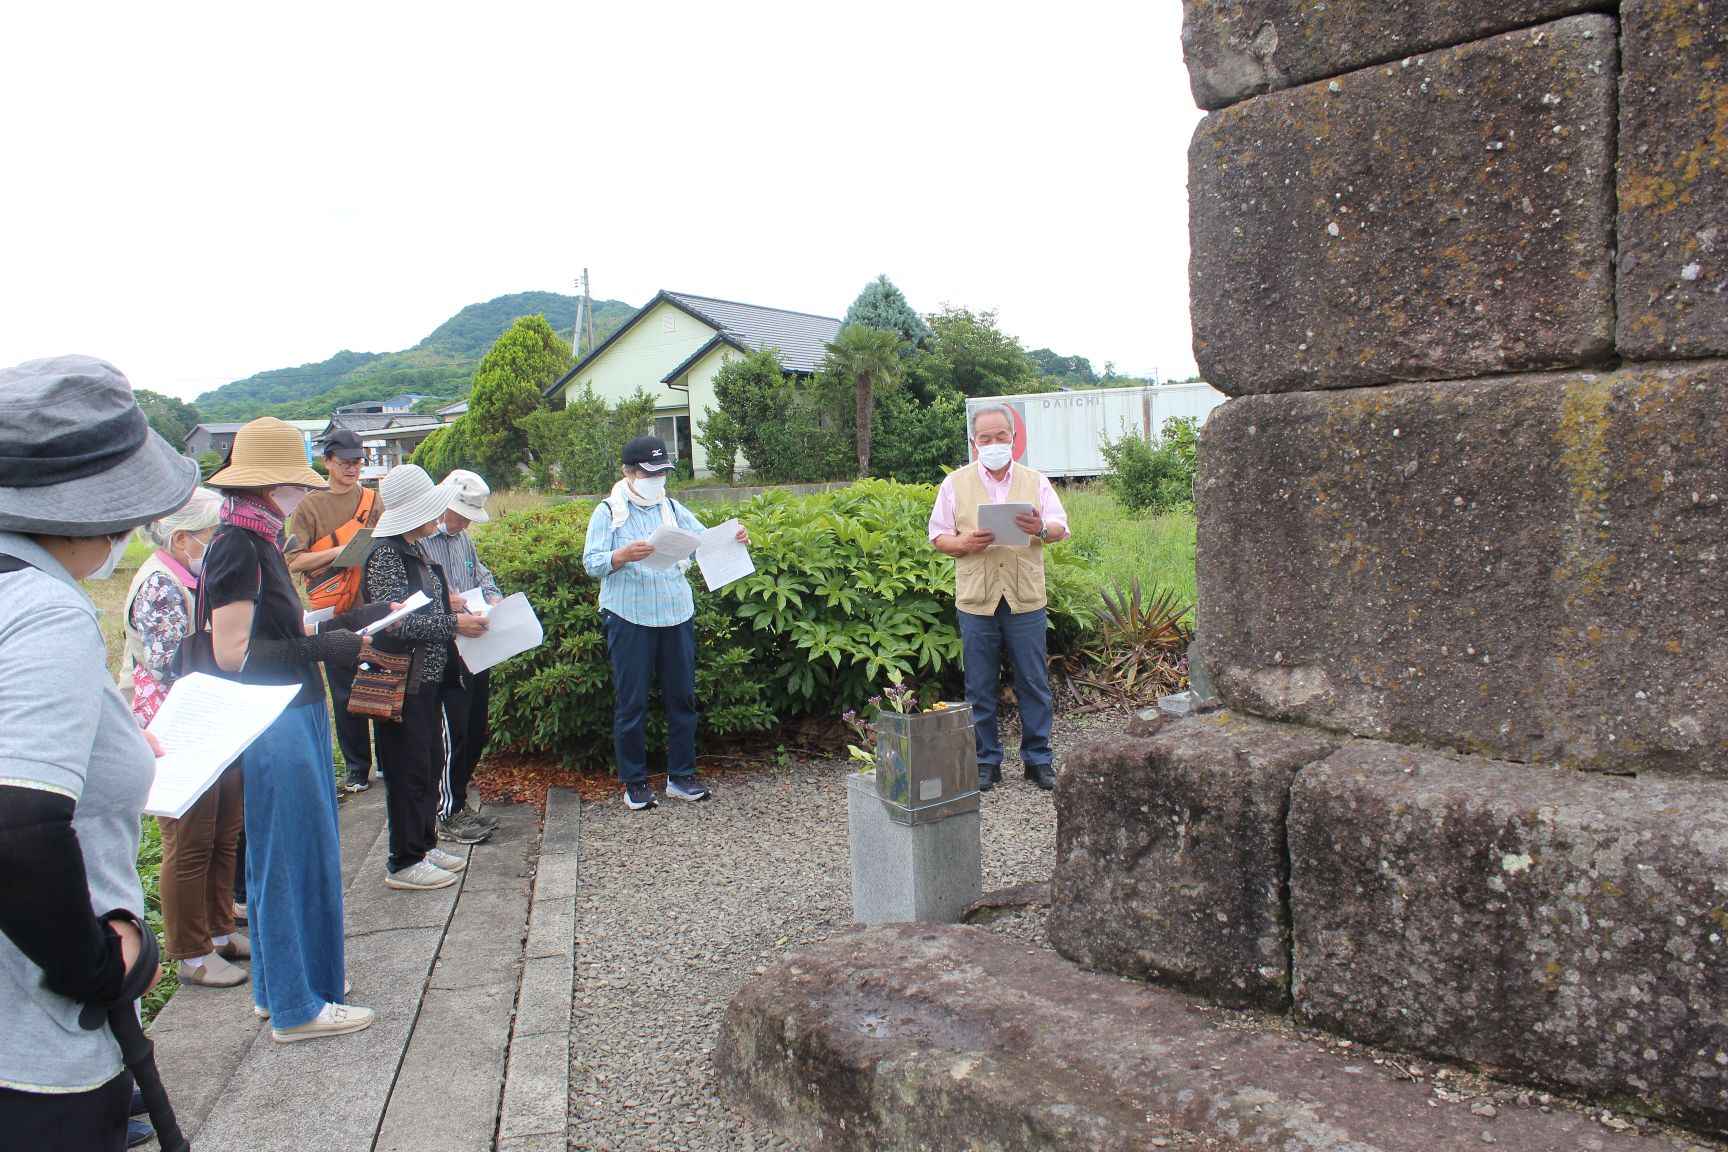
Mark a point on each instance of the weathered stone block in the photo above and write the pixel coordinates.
(1237, 48)
(1170, 856)
(928, 1037)
(1562, 926)
(1532, 567)
(1673, 287)
(1447, 216)
(927, 872)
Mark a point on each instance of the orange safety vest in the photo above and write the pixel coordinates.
(339, 588)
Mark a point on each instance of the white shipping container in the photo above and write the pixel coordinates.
(1061, 433)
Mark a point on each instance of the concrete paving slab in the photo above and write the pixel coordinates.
(543, 1004)
(447, 1090)
(204, 1034)
(537, 1086)
(393, 938)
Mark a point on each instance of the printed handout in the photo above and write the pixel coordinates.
(316, 617)
(999, 519)
(203, 726)
(413, 604)
(513, 629)
(670, 546)
(722, 557)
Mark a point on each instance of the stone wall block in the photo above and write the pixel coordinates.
(1170, 856)
(1563, 927)
(1673, 287)
(1238, 48)
(1533, 568)
(1445, 216)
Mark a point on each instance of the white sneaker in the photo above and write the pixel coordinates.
(420, 876)
(448, 861)
(333, 1020)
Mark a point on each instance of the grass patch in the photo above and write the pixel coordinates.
(1121, 546)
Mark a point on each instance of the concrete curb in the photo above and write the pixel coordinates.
(535, 1113)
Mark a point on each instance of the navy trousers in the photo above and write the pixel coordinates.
(641, 658)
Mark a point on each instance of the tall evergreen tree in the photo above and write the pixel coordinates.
(883, 307)
(508, 385)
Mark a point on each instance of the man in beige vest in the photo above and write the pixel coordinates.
(999, 590)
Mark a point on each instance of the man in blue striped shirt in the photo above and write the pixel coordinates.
(649, 618)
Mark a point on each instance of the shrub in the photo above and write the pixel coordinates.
(915, 442)
(788, 430)
(1154, 474)
(578, 446)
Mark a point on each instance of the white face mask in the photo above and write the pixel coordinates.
(195, 564)
(996, 456)
(116, 549)
(650, 488)
(287, 499)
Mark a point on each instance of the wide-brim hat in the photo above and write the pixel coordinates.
(267, 453)
(468, 492)
(410, 499)
(77, 456)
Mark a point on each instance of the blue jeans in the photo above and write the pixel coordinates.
(642, 657)
(294, 867)
(982, 639)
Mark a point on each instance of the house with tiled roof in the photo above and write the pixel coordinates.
(674, 347)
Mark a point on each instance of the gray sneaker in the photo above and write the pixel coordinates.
(439, 858)
(456, 830)
(420, 876)
(490, 823)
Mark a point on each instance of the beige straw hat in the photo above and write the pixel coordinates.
(267, 452)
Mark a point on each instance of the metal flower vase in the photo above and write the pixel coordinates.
(926, 763)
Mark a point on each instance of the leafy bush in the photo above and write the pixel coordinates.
(915, 442)
(557, 699)
(789, 430)
(577, 447)
(1157, 475)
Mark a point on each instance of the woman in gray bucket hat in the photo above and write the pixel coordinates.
(79, 469)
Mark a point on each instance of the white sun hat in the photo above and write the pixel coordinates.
(410, 499)
(468, 494)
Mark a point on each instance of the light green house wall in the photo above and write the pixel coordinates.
(662, 339)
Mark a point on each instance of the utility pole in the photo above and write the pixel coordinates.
(588, 308)
(581, 305)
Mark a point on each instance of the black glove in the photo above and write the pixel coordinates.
(340, 647)
(356, 618)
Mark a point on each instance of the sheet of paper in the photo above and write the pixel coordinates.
(318, 616)
(413, 604)
(203, 726)
(670, 546)
(354, 552)
(514, 629)
(999, 518)
(475, 599)
(721, 557)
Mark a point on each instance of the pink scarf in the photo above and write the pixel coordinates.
(253, 512)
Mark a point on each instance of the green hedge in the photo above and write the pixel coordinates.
(847, 597)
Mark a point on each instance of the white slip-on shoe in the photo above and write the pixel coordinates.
(334, 1020)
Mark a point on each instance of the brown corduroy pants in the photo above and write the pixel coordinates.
(198, 862)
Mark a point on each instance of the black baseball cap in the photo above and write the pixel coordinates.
(343, 445)
(647, 453)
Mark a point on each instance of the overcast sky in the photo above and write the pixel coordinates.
(201, 193)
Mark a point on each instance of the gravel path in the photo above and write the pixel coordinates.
(679, 906)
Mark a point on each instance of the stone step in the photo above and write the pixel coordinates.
(917, 1036)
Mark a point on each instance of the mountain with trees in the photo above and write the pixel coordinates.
(440, 367)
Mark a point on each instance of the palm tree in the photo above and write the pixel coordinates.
(867, 359)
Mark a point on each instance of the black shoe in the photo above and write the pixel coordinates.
(138, 1132)
(138, 1107)
(989, 775)
(1043, 775)
(687, 788)
(639, 796)
(356, 784)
